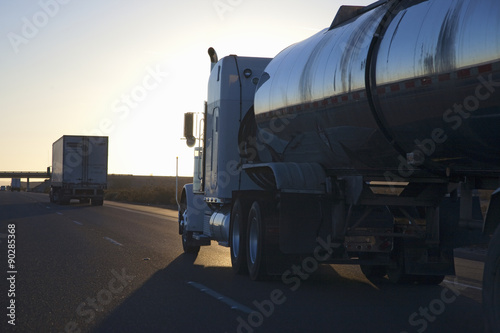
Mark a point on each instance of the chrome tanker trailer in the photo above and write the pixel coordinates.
(367, 144)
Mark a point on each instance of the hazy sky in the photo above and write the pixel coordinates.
(127, 69)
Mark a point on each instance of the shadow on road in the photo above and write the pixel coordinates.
(166, 302)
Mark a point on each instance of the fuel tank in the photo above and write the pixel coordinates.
(413, 83)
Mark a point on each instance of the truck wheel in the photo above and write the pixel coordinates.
(491, 285)
(65, 201)
(396, 272)
(256, 244)
(374, 271)
(430, 280)
(187, 238)
(56, 197)
(237, 237)
(97, 202)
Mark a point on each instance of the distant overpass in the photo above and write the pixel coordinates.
(25, 174)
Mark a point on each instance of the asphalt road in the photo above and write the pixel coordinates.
(120, 268)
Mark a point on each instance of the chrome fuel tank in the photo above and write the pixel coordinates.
(413, 82)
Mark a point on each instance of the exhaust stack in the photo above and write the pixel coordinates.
(213, 57)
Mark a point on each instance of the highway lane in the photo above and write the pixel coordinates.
(120, 268)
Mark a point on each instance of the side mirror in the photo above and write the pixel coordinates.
(189, 129)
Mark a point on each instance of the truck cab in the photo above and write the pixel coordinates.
(205, 205)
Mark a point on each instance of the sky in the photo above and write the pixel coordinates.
(128, 69)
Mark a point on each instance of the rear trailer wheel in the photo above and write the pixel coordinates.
(374, 271)
(430, 280)
(237, 238)
(64, 200)
(396, 273)
(187, 240)
(97, 202)
(56, 198)
(491, 285)
(256, 243)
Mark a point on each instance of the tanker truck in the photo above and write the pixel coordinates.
(367, 143)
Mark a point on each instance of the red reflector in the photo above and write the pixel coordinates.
(485, 68)
(463, 73)
(410, 84)
(444, 77)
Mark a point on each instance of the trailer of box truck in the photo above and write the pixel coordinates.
(79, 169)
(15, 184)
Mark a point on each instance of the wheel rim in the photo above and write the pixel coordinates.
(235, 236)
(253, 239)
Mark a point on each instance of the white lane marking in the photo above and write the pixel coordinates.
(76, 222)
(47, 207)
(226, 300)
(112, 241)
(59, 213)
(462, 285)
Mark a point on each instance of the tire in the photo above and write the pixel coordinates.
(256, 244)
(374, 271)
(55, 197)
(237, 238)
(64, 200)
(429, 280)
(97, 202)
(397, 273)
(187, 238)
(491, 285)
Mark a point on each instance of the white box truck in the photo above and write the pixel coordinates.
(79, 169)
(15, 185)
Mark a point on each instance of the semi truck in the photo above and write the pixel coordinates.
(15, 184)
(79, 169)
(374, 142)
